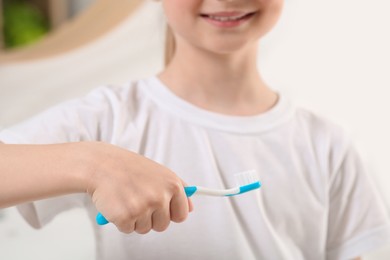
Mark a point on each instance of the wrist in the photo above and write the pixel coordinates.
(84, 161)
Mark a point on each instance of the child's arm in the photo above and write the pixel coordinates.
(131, 191)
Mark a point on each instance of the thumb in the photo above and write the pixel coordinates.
(190, 204)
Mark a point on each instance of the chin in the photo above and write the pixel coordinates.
(226, 48)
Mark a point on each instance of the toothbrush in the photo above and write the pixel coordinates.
(247, 181)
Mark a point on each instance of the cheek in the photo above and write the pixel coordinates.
(269, 15)
(182, 17)
(178, 12)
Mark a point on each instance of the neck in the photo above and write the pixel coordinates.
(225, 83)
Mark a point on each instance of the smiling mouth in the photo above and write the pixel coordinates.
(228, 17)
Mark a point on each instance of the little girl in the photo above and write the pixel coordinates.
(125, 151)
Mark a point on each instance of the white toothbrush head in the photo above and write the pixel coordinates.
(247, 181)
(246, 177)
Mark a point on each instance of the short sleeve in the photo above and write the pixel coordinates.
(358, 219)
(72, 121)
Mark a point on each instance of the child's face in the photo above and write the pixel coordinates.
(232, 25)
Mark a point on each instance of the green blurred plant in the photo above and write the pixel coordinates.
(23, 23)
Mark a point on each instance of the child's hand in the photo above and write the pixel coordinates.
(133, 192)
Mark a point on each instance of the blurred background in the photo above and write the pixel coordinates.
(27, 21)
(330, 56)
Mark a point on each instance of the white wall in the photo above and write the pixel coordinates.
(331, 56)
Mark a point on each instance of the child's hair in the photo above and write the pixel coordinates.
(170, 45)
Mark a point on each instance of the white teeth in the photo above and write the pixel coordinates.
(225, 18)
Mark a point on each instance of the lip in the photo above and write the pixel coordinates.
(243, 17)
(226, 14)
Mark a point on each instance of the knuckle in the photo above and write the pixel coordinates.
(125, 227)
(176, 186)
(125, 217)
(179, 218)
(126, 230)
(132, 211)
(156, 201)
(161, 228)
(142, 231)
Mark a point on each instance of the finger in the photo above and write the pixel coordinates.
(190, 204)
(126, 227)
(121, 217)
(144, 224)
(161, 219)
(179, 207)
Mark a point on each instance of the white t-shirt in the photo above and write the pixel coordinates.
(316, 200)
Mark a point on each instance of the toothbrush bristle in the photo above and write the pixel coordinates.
(247, 177)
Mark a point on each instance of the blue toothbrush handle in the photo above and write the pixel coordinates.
(101, 220)
(190, 190)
